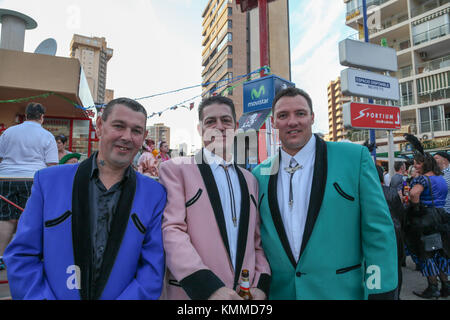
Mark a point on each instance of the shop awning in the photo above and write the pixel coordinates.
(431, 16)
(433, 83)
(254, 120)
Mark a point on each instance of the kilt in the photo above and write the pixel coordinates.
(16, 190)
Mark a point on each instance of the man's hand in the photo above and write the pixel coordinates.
(225, 293)
(258, 294)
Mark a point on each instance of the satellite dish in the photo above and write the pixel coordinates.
(47, 47)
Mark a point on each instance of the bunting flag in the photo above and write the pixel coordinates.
(247, 77)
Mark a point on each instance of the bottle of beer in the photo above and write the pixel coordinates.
(244, 288)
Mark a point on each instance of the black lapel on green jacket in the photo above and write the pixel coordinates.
(317, 190)
(118, 227)
(81, 227)
(243, 225)
(214, 198)
(276, 215)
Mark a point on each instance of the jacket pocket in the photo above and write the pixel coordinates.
(344, 270)
(59, 220)
(138, 223)
(342, 193)
(195, 198)
(254, 201)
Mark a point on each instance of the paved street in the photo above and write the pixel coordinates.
(412, 281)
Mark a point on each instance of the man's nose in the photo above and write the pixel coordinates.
(126, 134)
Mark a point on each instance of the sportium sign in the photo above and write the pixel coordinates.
(370, 116)
(259, 94)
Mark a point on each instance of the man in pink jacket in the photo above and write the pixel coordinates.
(211, 221)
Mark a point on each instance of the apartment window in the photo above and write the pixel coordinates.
(230, 24)
(431, 119)
(406, 93)
(230, 36)
(230, 50)
(230, 11)
(230, 63)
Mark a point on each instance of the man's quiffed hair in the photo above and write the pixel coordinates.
(216, 99)
(292, 92)
(34, 111)
(130, 103)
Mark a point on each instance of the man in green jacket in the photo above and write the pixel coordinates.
(325, 225)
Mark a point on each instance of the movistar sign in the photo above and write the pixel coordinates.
(259, 93)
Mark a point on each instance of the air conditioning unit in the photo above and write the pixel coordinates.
(423, 55)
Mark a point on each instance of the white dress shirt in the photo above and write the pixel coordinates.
(294, 218)
(222, 185)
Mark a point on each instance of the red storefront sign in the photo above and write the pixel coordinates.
(370, 116)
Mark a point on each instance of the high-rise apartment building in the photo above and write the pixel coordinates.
(94, 55)
(231, 46)
(159, 132)
(336, 101)
(419, 30)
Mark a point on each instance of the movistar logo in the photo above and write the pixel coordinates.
(257, 94)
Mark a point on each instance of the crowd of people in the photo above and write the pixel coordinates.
(312, 222)
(418, 195)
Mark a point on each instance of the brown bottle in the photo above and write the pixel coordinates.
(244, 288)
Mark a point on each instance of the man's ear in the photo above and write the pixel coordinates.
(99, 125)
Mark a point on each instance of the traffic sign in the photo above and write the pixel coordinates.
(371, 116)
(369, 84)
(364, 55)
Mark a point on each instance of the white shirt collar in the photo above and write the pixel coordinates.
(213, 160)
(302, 156)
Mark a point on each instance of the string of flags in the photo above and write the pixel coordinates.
(247, 77)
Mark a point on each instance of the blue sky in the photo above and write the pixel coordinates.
(145, 34)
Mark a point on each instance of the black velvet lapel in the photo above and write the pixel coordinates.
(317, 190)
(214, 198)
(81, 227)
(275, 211)
(118, 226)
(243, 225)
(81, 230)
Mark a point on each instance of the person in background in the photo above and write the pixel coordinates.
(397, 211)
(164, 151)
(24, 149)
(70, 158)
(397, 178)
(386, 177)
(443, 160)
(147, 163)
(431, 263)
(61, 142)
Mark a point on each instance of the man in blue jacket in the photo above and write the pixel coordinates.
(93, 230)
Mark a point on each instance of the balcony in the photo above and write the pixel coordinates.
(435, 125)
(433, 65)
(427, 6)
(391, 21)
(432, 34)
(403, 72)
(433, 96)
(407, 100)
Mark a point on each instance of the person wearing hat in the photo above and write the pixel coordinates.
(70, 158)
(443, 160)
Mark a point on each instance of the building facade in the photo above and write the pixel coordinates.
(231, 46)
(159, 132)
(336, 100)
(419, 30)
(94, 55)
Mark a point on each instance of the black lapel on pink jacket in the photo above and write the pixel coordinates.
(243, 225)
(214, 198)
